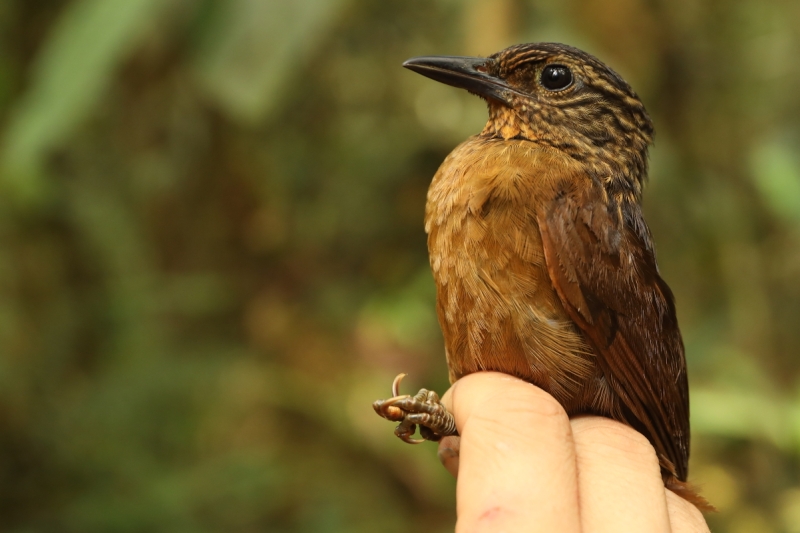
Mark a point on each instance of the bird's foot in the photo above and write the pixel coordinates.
(423, 409)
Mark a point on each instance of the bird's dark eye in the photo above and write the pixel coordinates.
(556, 77)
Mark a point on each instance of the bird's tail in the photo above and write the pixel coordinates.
(689, 493)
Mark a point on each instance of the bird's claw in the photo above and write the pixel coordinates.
(423, 410)
(398, 379)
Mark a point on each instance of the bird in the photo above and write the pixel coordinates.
(544, 266)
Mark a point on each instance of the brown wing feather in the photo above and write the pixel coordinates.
(603, 267)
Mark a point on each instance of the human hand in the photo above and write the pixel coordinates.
(525, 466)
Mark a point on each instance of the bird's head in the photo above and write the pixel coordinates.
(556, 95)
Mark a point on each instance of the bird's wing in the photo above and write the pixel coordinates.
(603, 267)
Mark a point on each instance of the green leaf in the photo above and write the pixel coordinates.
(745, 414)
(776, 172)
(253, 47)
(72, 70)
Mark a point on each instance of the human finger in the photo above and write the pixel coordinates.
(449, 453)
(619, 478)
(517, 467)
(683, 516)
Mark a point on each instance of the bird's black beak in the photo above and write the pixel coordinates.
(470, 73)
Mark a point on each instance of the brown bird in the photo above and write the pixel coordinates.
(543, 262)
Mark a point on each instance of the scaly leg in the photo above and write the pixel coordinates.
(423, 410)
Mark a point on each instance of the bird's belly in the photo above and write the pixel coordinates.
(496, 303)
(498, 309)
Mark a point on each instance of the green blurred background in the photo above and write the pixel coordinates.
(212, 257)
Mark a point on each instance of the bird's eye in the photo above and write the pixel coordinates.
(556, 77)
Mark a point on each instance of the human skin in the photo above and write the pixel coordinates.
(524, 466)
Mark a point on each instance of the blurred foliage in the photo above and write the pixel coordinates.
(212, 257)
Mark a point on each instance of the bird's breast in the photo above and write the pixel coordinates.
(497, 307)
